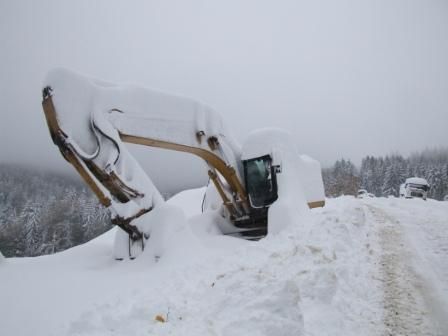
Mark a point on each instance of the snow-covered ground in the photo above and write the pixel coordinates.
(355, 267)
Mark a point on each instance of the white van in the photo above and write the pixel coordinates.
(414, 187)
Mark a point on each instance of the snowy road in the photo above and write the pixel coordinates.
(371, 267)
(413, 237)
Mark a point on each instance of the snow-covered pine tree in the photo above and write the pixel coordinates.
(30, 218)
(394, 175)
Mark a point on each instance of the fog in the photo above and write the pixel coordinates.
(347, 78)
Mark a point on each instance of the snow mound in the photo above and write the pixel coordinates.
(188, 201)
(311, 279)
(322, 277)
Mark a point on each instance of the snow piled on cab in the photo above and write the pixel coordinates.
(291, 204)
(267, 141)
(299, 178)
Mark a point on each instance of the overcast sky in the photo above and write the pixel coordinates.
(348, 78)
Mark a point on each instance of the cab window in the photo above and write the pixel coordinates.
(261, 184)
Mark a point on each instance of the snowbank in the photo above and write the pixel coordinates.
(312, 279)
(322, 277)
(317, 278)
(2, 258)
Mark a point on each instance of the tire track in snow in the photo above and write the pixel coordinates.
(405, 309)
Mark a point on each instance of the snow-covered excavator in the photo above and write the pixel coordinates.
(89, 121)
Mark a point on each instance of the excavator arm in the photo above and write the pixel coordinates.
(89, 120)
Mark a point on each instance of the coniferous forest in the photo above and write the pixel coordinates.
(43, 213)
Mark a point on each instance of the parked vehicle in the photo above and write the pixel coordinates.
(414, 187)
(362, 193)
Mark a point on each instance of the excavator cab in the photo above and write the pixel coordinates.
(260, 177)
(261, 181)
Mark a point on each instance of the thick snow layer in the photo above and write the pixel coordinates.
(310, 173)
(355, 267)
(267, 141)
(417, 180)
(291, 206)
(76, 97)
(134, 111)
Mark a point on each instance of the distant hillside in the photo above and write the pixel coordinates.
(43, 213)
